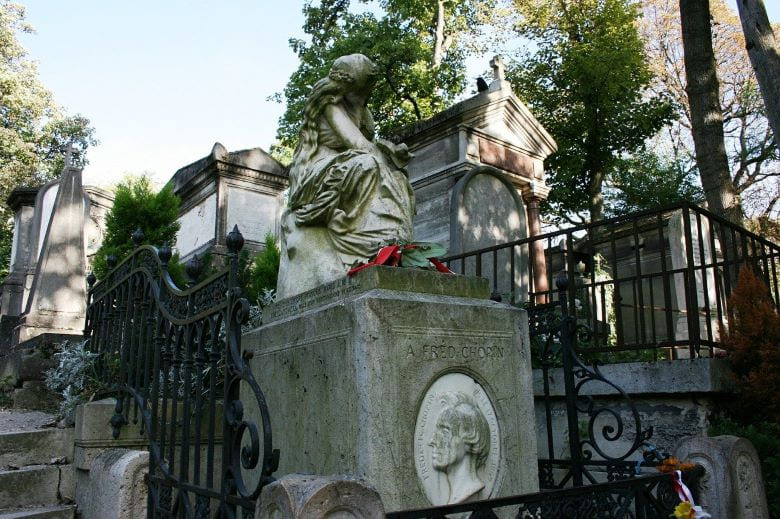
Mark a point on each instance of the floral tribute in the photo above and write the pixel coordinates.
(687, 509)
(415, 254)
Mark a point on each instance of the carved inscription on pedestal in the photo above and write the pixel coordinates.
(456, 441)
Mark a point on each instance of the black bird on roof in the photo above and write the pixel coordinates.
(481, 84)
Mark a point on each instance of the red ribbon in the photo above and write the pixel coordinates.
(391, 255)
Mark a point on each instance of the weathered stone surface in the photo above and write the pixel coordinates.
(678, 398)
(35, 447)
(378, 278)
(93, 433)
(117, 488)
(732, 486)
(43, 512)
(349, 376)
(34, 397)
(224, 189)
(299, 496)
(29, 486)
(57, 301)
(704, 375)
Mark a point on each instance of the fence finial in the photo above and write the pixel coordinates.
(193, 268)
(235, 240)
(138, 237)
(164, 253)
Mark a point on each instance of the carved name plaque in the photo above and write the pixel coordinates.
(456, 441)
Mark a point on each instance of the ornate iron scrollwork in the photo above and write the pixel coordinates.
(175, 360)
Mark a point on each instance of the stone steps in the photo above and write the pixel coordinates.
(44, 512)
(34, 485)
(37, 447)
(36, 471)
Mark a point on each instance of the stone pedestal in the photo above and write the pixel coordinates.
(410, 379)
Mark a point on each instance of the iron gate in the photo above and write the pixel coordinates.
(175, 357)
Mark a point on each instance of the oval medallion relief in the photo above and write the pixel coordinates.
(456, 441)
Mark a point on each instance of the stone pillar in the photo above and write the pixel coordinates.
(532, 197)
(15, 285)
(299, 496)
(117, 489)
(732, 486)
(57, 301)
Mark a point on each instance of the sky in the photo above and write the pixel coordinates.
(162, 81)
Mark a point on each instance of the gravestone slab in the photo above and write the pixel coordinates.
(732, 486)
(410, 379)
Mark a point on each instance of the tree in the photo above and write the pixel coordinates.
(33, 131)
(763, 51)
(752, 154)
(706, 115)
(136, 205)
(587, 82)
(646, 181)
(261, 273)
(418, 45)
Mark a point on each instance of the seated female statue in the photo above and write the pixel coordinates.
(349, 193)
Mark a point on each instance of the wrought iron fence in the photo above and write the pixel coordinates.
(653, 284)
(175, 357)
(642, 497)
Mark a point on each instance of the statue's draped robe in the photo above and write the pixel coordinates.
(348, 200)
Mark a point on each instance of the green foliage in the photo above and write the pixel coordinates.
(646, 181)
(136, 205)
(75, 377)
(33, 132)
(261, 273)
(586, 79)
(765, 437)
(417, 77)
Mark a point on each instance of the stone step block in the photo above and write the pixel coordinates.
(39, 447)
(34, 395)
(36, 485)
(44, 512)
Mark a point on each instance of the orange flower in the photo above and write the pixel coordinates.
(671, 464)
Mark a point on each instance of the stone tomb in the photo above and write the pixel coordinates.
(382, 375)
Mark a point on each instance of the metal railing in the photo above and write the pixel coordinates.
(654, 284)
(174, 357)
(600, 475)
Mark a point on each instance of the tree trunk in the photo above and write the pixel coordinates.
(706, 113)
(764, 56)
(438, 45)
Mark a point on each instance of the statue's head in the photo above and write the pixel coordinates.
(461, 430)
(355, 71)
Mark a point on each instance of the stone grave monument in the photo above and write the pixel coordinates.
(223, 189)
(478, 176)
(409, 378)
(57, 299)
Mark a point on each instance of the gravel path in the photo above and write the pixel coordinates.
(16, 420)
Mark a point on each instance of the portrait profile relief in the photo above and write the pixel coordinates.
(456, 441)
(460, 445)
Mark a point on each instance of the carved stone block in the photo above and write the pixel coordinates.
(299, 496)
(411, 379)
(732, 487)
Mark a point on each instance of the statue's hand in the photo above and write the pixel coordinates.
(397, 153)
